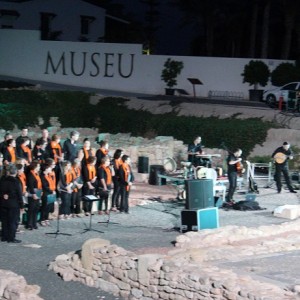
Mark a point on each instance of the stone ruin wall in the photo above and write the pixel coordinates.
(15, 287)
(156, 276)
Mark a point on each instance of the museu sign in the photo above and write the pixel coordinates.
(90, 64)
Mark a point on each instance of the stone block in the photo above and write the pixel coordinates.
(107, 286)
(290, 212)
(87, 251)
(144, 262)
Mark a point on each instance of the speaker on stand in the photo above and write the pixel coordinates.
(199, 193)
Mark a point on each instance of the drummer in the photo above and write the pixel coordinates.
(195, 149)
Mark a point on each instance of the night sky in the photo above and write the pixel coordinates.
(172, 39)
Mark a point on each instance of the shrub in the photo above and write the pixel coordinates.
(285, 73)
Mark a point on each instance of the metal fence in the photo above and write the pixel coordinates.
(226, 94)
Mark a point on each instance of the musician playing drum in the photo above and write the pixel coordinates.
(233, 168)
(281, 157)
(194, 152)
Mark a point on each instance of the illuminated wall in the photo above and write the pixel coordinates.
(120, 67)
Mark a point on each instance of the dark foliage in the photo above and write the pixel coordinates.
(111, 115)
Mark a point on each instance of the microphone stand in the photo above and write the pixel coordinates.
(57, 232)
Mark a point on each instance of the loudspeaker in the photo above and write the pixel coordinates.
(143, 164)
(194, 220)
(153, 176)
(199, 193)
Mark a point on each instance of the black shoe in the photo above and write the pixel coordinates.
(278, 191)
(3, 240)
(15, 241)
(35, 227)
(127, 212)
(29, 227)
(293, 191)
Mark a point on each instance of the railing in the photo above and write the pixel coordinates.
(226, 94)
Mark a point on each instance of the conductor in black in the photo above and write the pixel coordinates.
(281, 157)
(11, 202)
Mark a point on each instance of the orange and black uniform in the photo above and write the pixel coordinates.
(126, 176)
(117, 162)
(86, 154)
(24, 152)
(48, 186)
(100, 153)
(104, 172)
(34, 186)
(10, 154)
(76, 194)
(65, 180)
(88, 174)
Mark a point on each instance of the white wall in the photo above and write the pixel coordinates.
(69, 23)
(23, 55)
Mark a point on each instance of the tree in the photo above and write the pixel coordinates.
(172, 69)
(256, 73)
(291, 11)
(285, 73)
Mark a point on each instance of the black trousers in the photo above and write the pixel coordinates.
(103, 195)
(65, 207)
(76, 202)
(116, 193)
(232, 178)
(32, 213)
(282, 168)
(124, 198)
(9, 220)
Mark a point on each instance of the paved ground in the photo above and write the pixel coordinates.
(152, 225)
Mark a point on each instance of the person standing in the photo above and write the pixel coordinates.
(24, 134)
(70, 146)
(101, 152)
(3, 144)
(86, 151)
(34, 187)
(116, 163)
(281, 157)
(10, 154)
(23, 150)
(233, 168)
(77, 192)
(126, 180)
(11, 202)
(49, 187)
(194, 150)
(104, 176)
(89, 178)
(65, 187)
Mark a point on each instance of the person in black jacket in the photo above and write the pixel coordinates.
(281, 157)
(11, 202)
(70, 148)
(126, 180)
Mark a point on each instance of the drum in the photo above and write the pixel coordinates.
(200, 172)
(170, 165)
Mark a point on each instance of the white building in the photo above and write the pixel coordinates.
(66, 20)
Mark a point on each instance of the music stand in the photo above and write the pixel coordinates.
(108, 218)
(57, 232)
(194, 81)
(90, 198)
